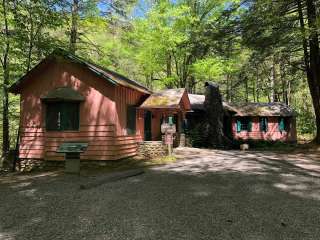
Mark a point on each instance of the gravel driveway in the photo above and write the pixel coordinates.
(205, 195)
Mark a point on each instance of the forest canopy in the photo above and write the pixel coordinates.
(256, 50)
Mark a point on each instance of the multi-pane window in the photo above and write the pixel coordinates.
(62, 116)
(131, 120)
(263, 124)
(244, 124)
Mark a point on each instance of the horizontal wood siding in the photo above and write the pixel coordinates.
(37, 143)
(273, 133)
(102, 114)
(125, 97)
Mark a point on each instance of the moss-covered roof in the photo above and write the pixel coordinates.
(246, 109)
(63, 93)
(169, 98)
(263, 109)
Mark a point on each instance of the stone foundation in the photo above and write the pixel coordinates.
(152, 149)
(27, 165)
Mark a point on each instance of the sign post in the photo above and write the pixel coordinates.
(168, 129)
(72, 152)
(169, 142)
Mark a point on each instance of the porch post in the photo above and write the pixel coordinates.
(182, 137)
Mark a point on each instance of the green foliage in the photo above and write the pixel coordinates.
(253, 51)
(305, 115)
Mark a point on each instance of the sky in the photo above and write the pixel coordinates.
(139, 11)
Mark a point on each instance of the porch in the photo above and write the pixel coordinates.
(167, 106)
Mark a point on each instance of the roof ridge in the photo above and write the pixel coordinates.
(103, 72)
(65, 53)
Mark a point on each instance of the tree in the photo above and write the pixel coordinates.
(289, 30)
(177, 35)
(5, 62)
(25, 39)
(312, 58)
(74, 25)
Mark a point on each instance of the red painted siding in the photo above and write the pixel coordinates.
(102, 115)
(124, 97)
(273, 133)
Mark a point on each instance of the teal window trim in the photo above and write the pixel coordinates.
(249, 125)
(238, 125)
(244, 124)
(282, 124)
(263, 124)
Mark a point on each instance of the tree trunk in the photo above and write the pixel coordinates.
(311, 58)
(254, 89)
(231, 90)
(272, 81)
(5, 100)
(247, 88)
(74, 26)
(284, 83)
(169, 70)
(314, 59)
(31, 42)
(257, 87)
(227, 88)
(169, 67)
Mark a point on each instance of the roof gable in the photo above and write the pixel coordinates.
(169, 98)
(111, 76)
(63, 93)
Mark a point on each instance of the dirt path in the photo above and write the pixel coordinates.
(205, 195)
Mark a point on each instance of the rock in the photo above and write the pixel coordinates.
(244, 147)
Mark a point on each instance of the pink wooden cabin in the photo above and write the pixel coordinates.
(263, 121)
(66, 99)
(251, 121)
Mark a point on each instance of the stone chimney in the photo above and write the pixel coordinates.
(214, 116)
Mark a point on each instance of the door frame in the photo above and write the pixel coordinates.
(147, 125)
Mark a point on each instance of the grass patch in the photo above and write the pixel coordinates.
(163, 160)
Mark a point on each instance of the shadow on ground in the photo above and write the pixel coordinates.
(205, 195)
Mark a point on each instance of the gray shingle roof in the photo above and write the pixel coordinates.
(264, 109)
(246, 109)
